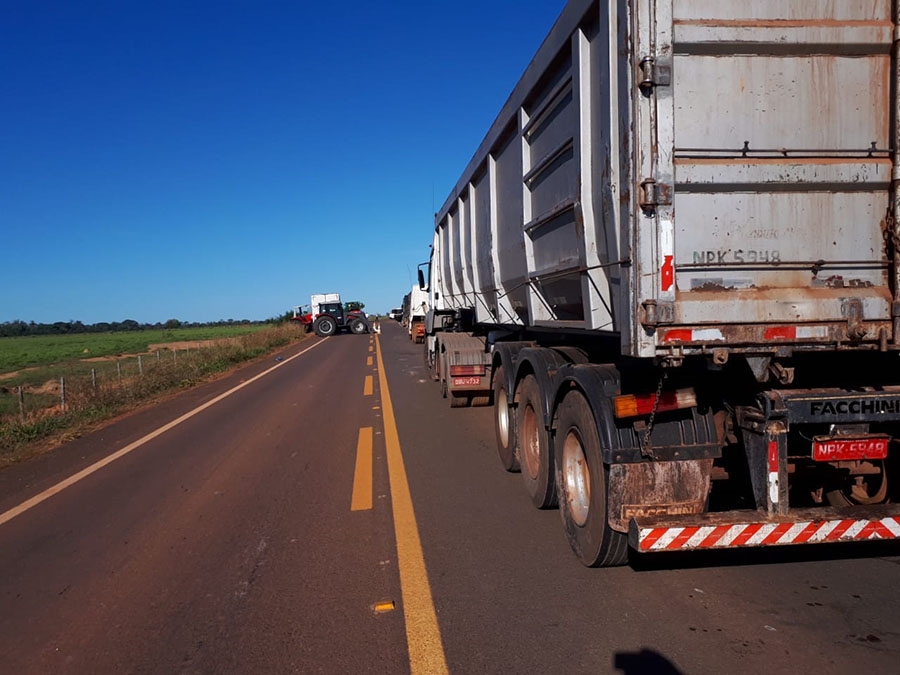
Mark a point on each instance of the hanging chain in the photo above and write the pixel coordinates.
(646, 448)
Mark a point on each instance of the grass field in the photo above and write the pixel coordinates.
(17, 353)
(32, 405)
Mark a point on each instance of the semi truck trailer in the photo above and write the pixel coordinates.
(673, 267)
(418, 308)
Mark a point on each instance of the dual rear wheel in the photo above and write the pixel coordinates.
(534, 450)
(504, 422)
(583, 483)
(567, 470)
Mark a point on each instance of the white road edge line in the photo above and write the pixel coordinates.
(109, 459)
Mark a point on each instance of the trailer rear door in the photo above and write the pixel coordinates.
(766, 163)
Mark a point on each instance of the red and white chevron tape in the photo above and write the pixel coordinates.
(766, 534)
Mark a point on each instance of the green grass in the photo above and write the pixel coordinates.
(126, 365)
(110, 390)
(17, 353)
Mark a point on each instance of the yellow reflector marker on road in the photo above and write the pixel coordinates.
(382, 607)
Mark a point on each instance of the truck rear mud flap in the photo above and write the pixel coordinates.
(737, 529)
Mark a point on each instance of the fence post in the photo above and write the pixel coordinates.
(157, 356)
(62, 394)
(94, 379)
(119, 369)
(140, 365)
(22, 401)
(175, 355)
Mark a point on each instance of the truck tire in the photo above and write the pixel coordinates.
(533, 446)
(504, 423)
(439, 371)
(325, 326)
(872, 489)
(358, 327)
(582, 480)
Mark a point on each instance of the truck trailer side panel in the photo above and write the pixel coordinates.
(673, 261)
(721, 181)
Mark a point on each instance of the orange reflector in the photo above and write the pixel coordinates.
(641, 405)
(781, 333)
(462, 371)
(679, 335)
(382, 607)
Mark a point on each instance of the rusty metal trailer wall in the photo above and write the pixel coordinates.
(691, 175)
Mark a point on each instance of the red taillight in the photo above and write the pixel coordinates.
(641, 405)
(463, 371)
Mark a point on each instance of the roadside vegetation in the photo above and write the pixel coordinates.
(41, 350)
(54, 387)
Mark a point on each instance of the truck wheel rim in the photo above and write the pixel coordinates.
(867, 490)
(530, 444)
(577, 479)
(502, 418)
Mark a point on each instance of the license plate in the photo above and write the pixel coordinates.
(466, 381)
(827, 449)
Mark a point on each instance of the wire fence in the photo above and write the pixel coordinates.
(85, 390)
(116, 377)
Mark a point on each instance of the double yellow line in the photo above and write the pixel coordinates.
(423, 637)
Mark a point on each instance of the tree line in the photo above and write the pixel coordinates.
(19, 328)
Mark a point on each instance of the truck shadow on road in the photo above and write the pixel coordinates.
(764, 556)
(644, 662)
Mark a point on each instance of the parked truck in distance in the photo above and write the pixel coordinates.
(415, 318)
(673, 266)
(327, 315)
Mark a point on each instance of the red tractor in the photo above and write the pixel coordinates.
(326, 315)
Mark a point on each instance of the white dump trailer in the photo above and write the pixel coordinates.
(672, 266)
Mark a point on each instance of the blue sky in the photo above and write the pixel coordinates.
(215, 160)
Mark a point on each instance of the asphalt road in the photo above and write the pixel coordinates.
(255, 536)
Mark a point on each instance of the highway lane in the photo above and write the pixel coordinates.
(226, 544)
(229, 544)
(512, 598)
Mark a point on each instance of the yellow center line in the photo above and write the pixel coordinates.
(368, 387)
(362, 476)
(423, 637)
(369, 361)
